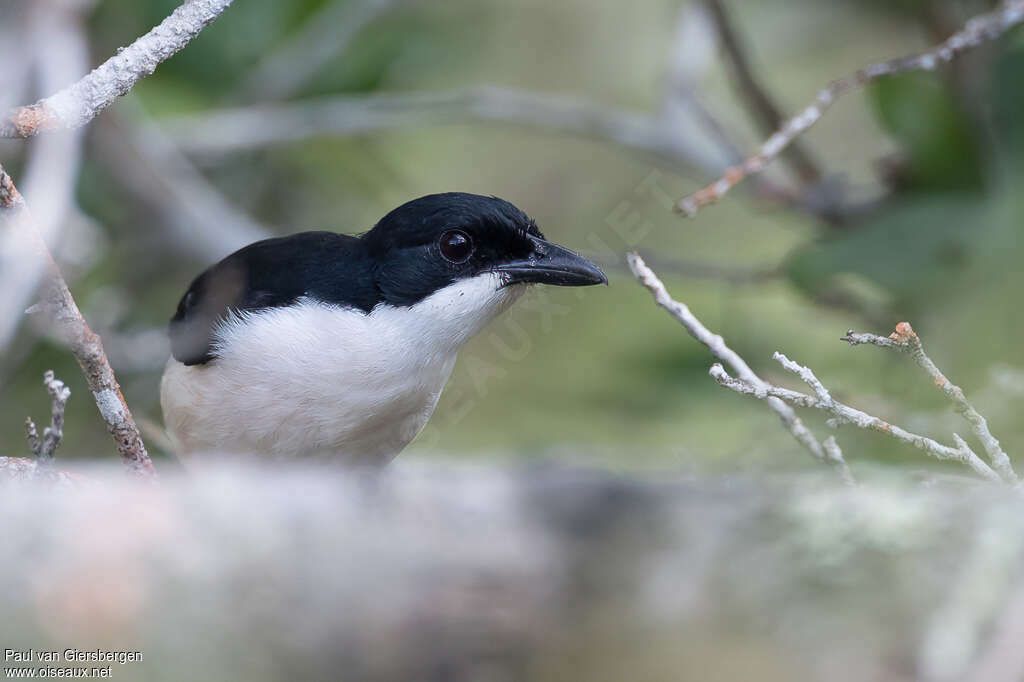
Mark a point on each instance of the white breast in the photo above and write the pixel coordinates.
(314, 378)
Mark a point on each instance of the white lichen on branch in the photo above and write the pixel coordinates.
(979, 30)
(905, 339)
(79, 103)
(844, 414)
(43, 448)
(716, 344)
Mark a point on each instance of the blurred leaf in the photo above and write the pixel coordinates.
(914, 250)
(919, 112)
(1008, 101)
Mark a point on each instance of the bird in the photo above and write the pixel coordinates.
(327, 345)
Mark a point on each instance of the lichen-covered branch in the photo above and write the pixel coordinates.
(905, 339)
(981, 29)
(844, 414)
(716, 344)
(79, 103)
(60, 307)
(44, 448)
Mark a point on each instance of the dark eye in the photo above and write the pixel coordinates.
(456, 246)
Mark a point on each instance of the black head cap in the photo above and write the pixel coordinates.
(430, 242)
(415, 250)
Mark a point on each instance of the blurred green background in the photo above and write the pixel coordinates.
(924, 168)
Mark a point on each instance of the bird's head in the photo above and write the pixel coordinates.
(438, 240)
(440, 266)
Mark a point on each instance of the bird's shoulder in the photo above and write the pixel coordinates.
(275, 272)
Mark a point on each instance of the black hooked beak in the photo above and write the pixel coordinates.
(552, 264)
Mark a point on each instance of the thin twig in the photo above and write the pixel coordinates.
(32, 436)
(79, 103)
(59, 305)
(716, 344)
(54, 433)
(26, 469)
(242, 128)
(977, 31)
(765, 112)
(905, 339)
(325, 34)
(844, 414)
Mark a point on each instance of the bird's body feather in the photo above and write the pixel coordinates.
(322, 343)
(317, 378)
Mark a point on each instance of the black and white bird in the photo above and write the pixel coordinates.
(326, 344)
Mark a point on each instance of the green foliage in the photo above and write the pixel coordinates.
(921, 114)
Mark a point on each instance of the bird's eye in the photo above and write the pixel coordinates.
(456, 246)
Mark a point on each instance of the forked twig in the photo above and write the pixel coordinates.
(906, 340)
(830, 453)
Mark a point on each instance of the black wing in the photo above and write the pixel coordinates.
(267, 274)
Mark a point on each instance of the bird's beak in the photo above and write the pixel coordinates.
(552, 264)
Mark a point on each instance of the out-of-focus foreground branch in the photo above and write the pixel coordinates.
(79, 103)
(979, 30)
(60, 307)
(716, 344)
(243, 128)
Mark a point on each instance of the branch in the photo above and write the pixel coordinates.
(977, 31)
(78, 104)
(238, 129)
(56, 33)
(716, 344)
(142, 158)
(844, 414)
(763, 108)
(905, 339)
(54, 433)
(324, 35)
(86, 346)
(25, 469)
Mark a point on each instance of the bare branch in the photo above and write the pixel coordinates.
(762, 106)
(857, 339)
(844, 414)
(59, 51)
(716, 344)
(86, 346)
(237, 129)
(977, 31)
(78, 104)
(54, 433)
(143, 159)
(806, 375)
(905, 339)
(32, 436)
(323, 36)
